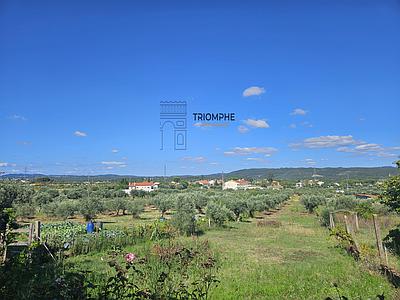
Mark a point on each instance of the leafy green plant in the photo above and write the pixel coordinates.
(168, 271)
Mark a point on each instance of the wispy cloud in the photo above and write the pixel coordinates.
(114, 163)
(198, 159)
(256, 123)
(253, 91)
(17, 118)
(370, 149)
(251, 150)
(310, 161)
(243, 129)
(327, 141)
(80, 133)
(298, 112)
(114, 150)
(257, 159)
(7, 164)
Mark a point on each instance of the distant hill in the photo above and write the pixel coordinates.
(373, 173)
(307, 173)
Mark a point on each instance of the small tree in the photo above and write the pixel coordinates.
(185, 216)
(117, 205)
(66, 209)
(89, 207)
(163, 203)
(218, 213)
(391, 192)
(136, 207)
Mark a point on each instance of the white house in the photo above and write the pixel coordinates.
(299, 184)
(147, 186)
(240, 184)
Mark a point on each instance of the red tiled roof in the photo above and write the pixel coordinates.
(203, 181)
(242, 182)
(144, 183)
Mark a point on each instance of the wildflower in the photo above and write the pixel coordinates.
(130, 257)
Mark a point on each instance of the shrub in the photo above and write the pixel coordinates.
(311, 202)
(392, 240)
(218, 213)
(136, 207)
(25, 210)
(184, 218)
(167, 271)
(89, 207)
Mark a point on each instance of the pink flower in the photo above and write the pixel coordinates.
(130, 257)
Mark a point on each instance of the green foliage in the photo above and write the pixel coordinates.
(34, 275)
(168, 271)
(136, 207)
(163, 203)
(311, 202)
(117, 205)
(89, 207)
(392, 240)
(25, 210)
(42, 198)
(218, 213)
(365, 209)
(344, 202)
(185, 216)
(391, 193)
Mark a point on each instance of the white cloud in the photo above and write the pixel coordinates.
(113, 163)
(243, 129)
(253, 91)
(250, 150)
(256, 123)
(292, 125)
(6, 164)
(114, 150)
(298, 112)
(198, 159)
(80, 133)
(327, 141)
(259, 159)
(17, 118)
(370, 149)
(310, 161)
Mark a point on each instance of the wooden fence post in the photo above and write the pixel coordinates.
(31, 233)
(331, 221)
(386, 256)
(37, 230)
(346, 221)
(378, 239)
(350, 230)
(356, 221)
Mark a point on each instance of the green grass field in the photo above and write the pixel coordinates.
(293, 258)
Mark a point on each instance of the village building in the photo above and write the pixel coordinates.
(146, 186)
(299, 185)
(240, 184)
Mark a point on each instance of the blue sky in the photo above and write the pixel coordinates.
(312, 83)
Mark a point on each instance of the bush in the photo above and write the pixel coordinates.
(184, 218)
(167, 271)
(89, 207)
(392, 240)
(136, 207)
(311, 202)
(218, 213)
(25, 210)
